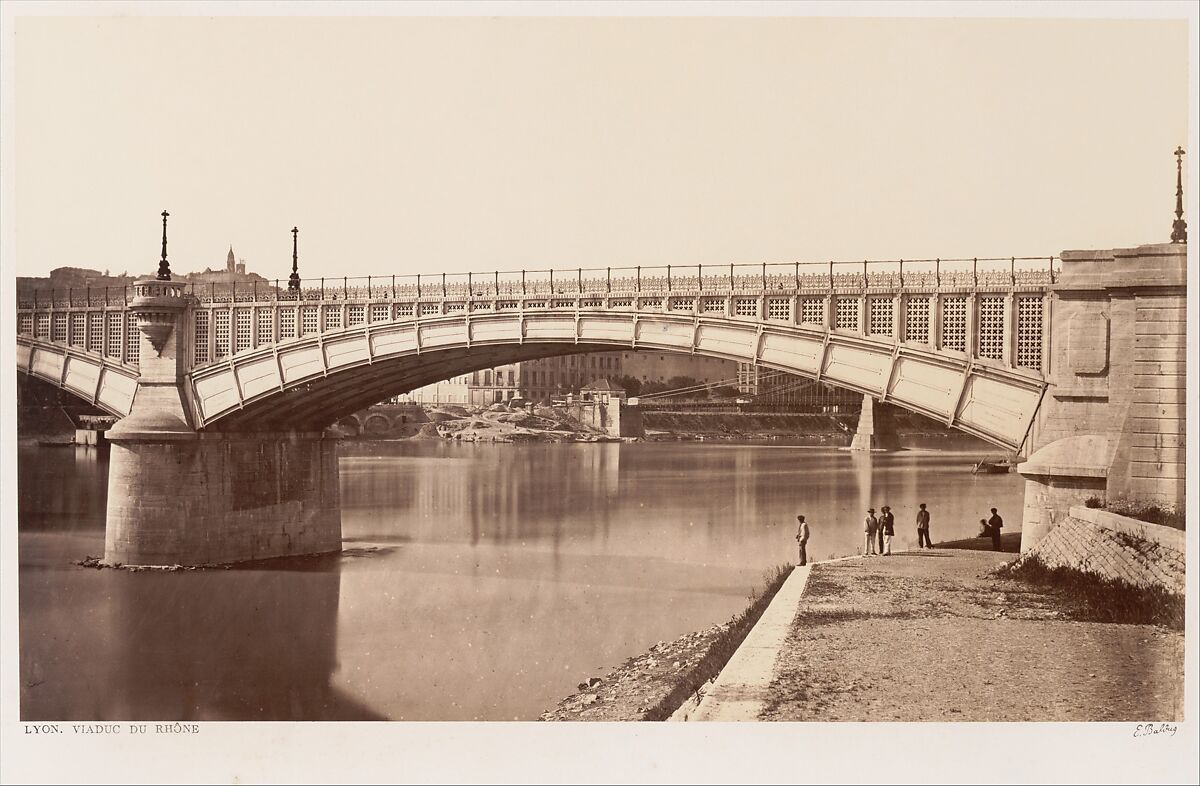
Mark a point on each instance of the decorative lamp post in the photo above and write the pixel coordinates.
(156, 305)
(294, 278)
(1179, 227)
(164, 267)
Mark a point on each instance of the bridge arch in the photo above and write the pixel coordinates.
(376, 423)
(311, 382)
(106, 383)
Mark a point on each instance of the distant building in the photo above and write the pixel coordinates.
(661, 367)
(234, 272)
(538, 381)
(481, 388)
(601, 391)
(546, 379)
(452, 391)
(75, 279)
(80, 280)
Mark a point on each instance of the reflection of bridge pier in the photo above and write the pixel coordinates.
(258, 644)
(863, 465)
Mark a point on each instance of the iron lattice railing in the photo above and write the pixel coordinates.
(877, 276)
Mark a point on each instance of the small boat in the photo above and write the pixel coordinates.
(992, 466)
(56, 442)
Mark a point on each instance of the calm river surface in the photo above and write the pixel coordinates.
(477, 581)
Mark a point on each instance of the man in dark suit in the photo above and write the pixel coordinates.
(923, 528)
(887, 528)
(994, 524)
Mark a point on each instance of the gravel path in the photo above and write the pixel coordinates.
(928, 636)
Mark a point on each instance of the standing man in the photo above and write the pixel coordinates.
(887, 528)
(871, 526)
(802, 539)
(923, 540)
(994, 524)
(884, 515)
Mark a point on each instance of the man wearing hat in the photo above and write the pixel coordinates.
(872, 525)
(802, 540)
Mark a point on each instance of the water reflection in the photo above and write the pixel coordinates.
(62, 486)
(254, 644)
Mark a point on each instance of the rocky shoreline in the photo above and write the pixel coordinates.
(673, 675)
(631, 690)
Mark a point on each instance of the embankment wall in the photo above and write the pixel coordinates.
(1115, 547)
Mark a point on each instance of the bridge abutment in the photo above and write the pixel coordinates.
(1112, 422)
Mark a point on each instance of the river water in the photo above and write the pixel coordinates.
(477, 581)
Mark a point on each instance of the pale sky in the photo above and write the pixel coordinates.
(403, 145)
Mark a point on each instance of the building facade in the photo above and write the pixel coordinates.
(662, 367)
(547, 379)
(550, 378)
(450, 391)
(479, 388)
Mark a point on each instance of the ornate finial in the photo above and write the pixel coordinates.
(164, 267)
(294, 278)
(1179, 227)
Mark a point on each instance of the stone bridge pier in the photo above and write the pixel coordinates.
(876, 431)
(178, 496)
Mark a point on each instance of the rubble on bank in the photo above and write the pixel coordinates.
(501, 423)
(669, 680)
(636, 686)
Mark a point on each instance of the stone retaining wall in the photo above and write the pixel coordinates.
(1115, 547)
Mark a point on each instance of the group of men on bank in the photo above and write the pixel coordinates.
(880, 530)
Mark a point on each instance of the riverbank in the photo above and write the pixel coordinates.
(495, 423)
(938, 636)
(501, 423)
(817, 427)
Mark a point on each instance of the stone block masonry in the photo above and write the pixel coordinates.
(1115, 547)
(1114, 418)
(1154, 439)
(220, 498)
